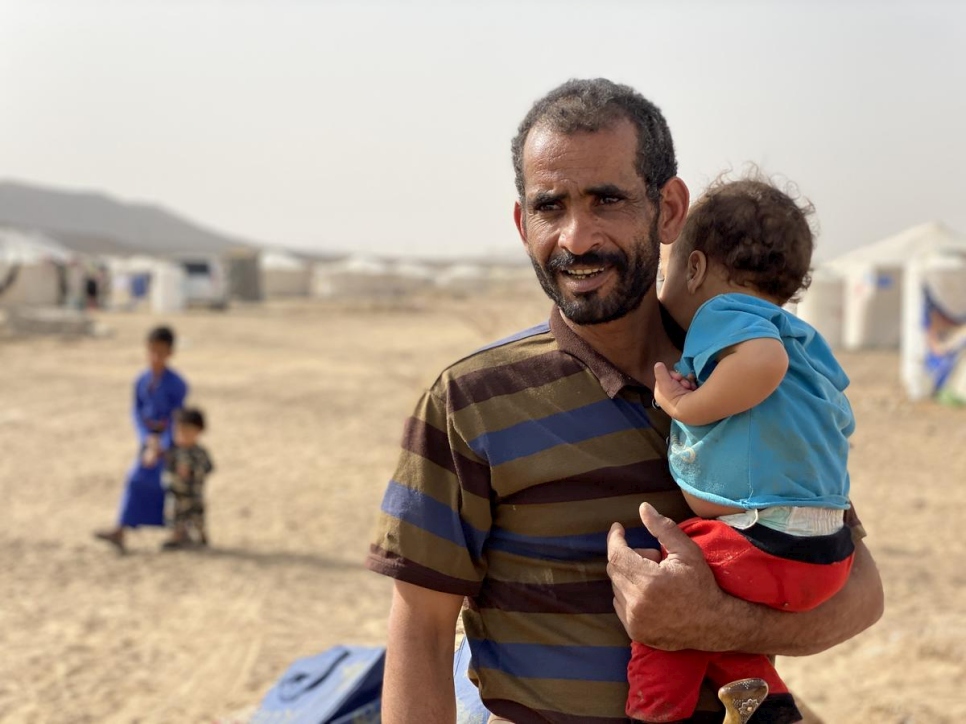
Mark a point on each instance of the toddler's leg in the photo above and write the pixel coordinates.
(179, 532)
(200, 528)
(664, 685)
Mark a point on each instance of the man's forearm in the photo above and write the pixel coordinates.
(418, 681)
(418, 685)
(676, 604)
(758, 629)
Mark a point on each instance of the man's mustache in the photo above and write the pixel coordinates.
(564, 260)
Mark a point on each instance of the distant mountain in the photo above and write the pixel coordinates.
(96, 223)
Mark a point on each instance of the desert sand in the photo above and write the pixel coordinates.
(305, 402)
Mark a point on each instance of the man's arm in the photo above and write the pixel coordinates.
(418, 686)
(676, 604)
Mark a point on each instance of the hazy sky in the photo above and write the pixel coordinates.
(385, 127)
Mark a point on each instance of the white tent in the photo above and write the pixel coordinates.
(822, 305)
(284, 274)
(934, 283)
(464, 278)
(163, 283)
(873, 281)
(33, 269)
(368, 278)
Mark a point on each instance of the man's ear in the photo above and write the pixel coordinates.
(520, 222)
(675, 199)
(697, 270)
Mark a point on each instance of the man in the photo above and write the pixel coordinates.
(521, 456)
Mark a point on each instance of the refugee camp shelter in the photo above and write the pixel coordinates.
(140, 280)
(284, 274)
(872, 285)
(935, 284)
(366, 278)
(35, 270)
(243, 269)
(823, 305)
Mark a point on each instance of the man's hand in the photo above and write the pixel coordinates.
(670, 386)
(669, 605)
(676, 604)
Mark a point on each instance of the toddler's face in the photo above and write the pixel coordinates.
(674, 294)
(185, 435)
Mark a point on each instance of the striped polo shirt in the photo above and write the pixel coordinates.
(513, 468)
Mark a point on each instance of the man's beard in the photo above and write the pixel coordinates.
(636, 275)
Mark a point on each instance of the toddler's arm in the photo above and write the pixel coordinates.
(745, 375)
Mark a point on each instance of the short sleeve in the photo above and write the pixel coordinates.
(435, 514)
(720, 323)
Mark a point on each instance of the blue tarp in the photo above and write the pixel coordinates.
(338, 686)
(343, 685)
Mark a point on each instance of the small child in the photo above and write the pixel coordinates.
(759, 435)
(186, 466)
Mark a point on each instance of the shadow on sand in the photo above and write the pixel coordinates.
(274, 559)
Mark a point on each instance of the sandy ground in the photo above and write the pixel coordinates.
(305, 402)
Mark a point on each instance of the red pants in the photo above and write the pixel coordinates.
(664, 685)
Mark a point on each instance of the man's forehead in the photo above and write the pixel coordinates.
(607, 155)
(547, 134)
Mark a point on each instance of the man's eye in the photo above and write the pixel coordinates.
(606, 200)
(546, 206)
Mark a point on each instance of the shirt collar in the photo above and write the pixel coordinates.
(612, 380)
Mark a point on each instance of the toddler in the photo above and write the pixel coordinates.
(186, 466)
(759, 435)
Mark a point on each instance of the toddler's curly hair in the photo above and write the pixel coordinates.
(757, 233)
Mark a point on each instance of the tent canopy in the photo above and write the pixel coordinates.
(27, 247)
(899, 249)
(281, 260)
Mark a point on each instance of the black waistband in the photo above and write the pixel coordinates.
(812, 549)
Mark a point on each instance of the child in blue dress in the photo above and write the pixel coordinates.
(159, 392)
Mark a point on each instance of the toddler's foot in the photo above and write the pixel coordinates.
(742, 698)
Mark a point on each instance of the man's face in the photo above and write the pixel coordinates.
(588, 226)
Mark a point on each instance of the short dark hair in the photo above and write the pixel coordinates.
(755, 231)
(190, 416)
(164, 335)
(591, 105)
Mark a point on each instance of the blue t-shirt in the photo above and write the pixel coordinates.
(791, 449)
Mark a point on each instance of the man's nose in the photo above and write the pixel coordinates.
(579, 234)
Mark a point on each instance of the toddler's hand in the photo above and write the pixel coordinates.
(670, 387)
(686, 382)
